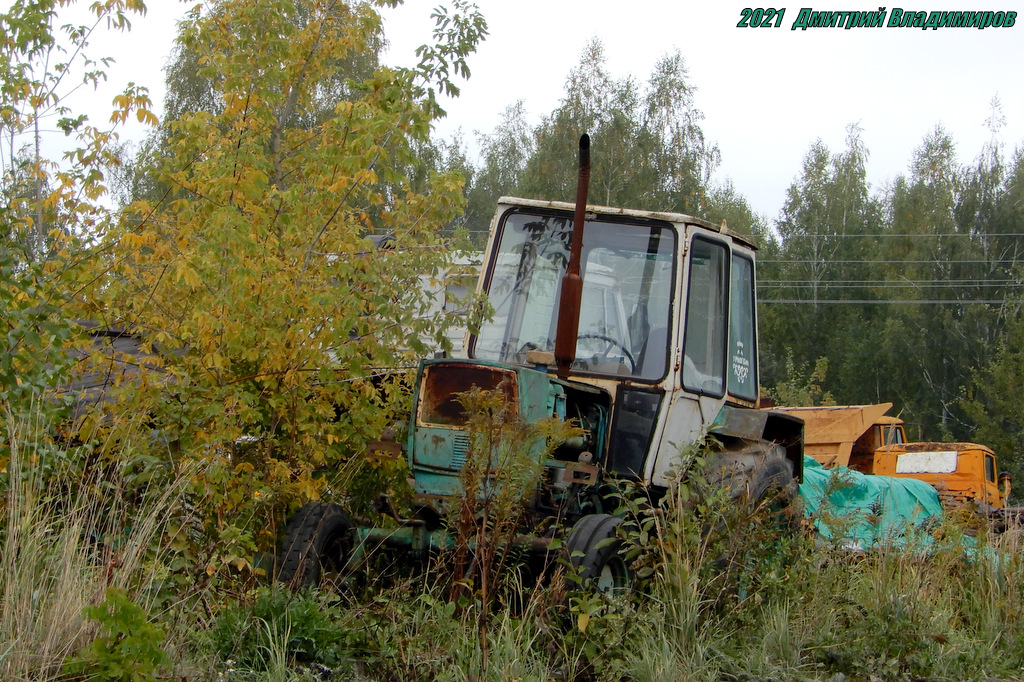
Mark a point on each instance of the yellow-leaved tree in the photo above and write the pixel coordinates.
(272, 322)
(52, 164)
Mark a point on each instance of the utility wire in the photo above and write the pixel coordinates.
(806, 301)
(966, 282)
(922, 285)
(891, 262)
(901, 236)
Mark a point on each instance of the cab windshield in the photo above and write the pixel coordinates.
(625, 315)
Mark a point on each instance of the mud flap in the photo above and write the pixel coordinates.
(747, 424)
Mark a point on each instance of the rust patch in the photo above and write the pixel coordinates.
(442, 384)
(382, 450)
(578, 472)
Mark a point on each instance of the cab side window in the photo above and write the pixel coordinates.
(742, 360)
(704, 343)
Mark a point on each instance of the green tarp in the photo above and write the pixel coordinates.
(861, 510)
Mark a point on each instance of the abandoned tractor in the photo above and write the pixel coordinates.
(639, 330)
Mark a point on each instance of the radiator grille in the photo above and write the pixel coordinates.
(460, 448)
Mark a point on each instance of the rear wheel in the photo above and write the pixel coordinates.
(751, 516)
(593, 548)
(318, 541)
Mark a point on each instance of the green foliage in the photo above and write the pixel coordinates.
(727, 596)
(372, 477)
(34, 331)
(129, 646)
(503, 157)
(72, 526)
(456, 35)
(802, 388)
(993, 401)
(413, 632)
(302, 628)
(992, 398)
(827, 230)
(50, 202)
(899, 615)
(908, 291)
(726, 204)
(642, 526)
(48, 207)
(738, 602)
(746, 602)
(597, 637)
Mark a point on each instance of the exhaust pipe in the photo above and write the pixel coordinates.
(572, 282)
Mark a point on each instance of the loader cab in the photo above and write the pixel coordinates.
(668, 327)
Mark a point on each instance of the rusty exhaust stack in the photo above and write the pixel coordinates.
(572, 282)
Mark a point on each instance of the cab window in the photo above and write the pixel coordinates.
(628, 274)
(742, 360)
(893, 435)
(705, 336)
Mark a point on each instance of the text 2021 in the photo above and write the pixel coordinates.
(761, 18)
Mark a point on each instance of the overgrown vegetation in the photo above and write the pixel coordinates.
(746, 602)
(84, 560)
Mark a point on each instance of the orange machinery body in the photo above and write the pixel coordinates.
(866, 439)
(960, 472)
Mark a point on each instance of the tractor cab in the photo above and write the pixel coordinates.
(665, 351)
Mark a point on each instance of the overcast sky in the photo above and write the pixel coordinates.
(766, 93)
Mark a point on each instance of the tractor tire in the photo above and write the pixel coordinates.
(753, 474)
(597, 561)
(318, 539)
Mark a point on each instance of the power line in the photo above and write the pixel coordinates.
(878, 301)
(891, 262)
(891, 285)
(869, 282)
(902, 236)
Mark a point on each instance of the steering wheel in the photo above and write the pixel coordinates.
(612, 343)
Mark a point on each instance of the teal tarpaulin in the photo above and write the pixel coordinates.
(864, 510)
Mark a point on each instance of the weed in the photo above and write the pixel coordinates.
(500, 481)
(278, 628)
(128, 648)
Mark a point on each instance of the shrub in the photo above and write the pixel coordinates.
(128, 648)
(302, 628)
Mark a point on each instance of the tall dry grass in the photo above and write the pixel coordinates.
(66, 536)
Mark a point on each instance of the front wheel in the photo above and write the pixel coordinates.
(318, 540)
(594, 548)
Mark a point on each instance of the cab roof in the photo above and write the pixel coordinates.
(632, 213)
